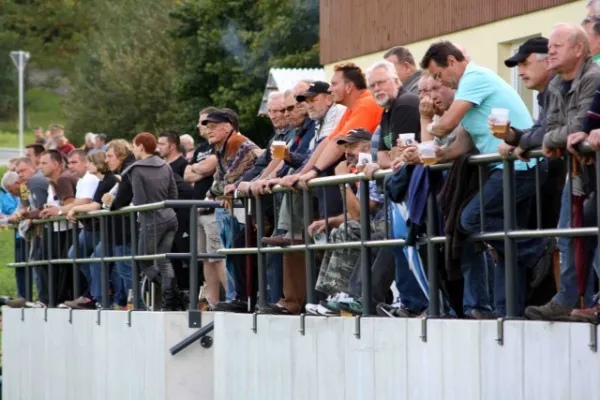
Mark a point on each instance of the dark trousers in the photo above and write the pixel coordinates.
(550, 195)
(60, 276)
(20, 256)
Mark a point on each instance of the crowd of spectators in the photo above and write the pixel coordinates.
(396, 115)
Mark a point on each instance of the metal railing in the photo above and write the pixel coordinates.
(509, 234)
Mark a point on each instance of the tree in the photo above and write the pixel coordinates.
(124, 72)
(229, 47)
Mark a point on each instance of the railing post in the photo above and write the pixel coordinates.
(135, 274)
(51, 288)
(365, 252)
(28, 270)
(432, 258)
(103, 265)
(194, 284)
(262, 268)
(309, 254)
(76, 284)
(510, 251)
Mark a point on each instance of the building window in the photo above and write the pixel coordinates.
(529, 96)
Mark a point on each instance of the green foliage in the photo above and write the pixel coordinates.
(230, 45)
(124, 71)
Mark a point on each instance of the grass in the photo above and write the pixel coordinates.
(42, 109)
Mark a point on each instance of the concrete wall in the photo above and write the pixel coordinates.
(58, 360)
(460, 360)
(489, 44)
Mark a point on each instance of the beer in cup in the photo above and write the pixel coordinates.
(500, 117)
(278, 149)
(427, 152)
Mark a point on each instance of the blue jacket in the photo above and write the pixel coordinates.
(8, 202)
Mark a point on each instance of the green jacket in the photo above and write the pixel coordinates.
(567, 111)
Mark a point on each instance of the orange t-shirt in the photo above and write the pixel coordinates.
(366, 114)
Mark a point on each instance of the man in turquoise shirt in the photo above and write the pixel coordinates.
(478, 90)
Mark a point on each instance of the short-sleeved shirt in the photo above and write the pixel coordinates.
(34, 193)
(365, 113)
(178, 166)
(486, 90)
(402, 117)
(58, 192)
(66, 149)
(202, 152)
(86, 186)
(104, 186)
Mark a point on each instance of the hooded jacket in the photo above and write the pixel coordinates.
(152, 181)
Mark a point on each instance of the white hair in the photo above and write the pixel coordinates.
(9, 178)
(187, 137)
(389, 68)
(275, 96)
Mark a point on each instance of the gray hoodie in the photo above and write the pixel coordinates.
(152, 181)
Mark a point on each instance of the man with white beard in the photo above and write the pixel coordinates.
(401, 113)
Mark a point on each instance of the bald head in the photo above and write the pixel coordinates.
(568, 48)
(463, 50)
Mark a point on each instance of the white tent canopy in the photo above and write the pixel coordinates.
(282, 79)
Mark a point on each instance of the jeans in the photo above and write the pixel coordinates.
(475, 272)
(224, 224)
(121, 276)
(529, 251)
(568, 294)
(86, 243)
(158, 239)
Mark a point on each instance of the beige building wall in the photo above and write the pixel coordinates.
(488, 45)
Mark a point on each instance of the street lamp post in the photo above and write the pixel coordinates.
(20, 59)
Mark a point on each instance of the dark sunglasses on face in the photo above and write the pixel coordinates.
(290, 108)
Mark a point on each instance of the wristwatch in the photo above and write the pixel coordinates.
(317, 170)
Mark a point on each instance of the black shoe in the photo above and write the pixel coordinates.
(234, 306)
(273, 309)
(171, 300)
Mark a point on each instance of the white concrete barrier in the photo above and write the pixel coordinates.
(47, 357)
(460, 360)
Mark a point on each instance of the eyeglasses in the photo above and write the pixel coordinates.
(290, 108)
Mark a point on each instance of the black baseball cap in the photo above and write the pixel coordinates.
(218, 116)
(535, 45)
(355, 135)
(315, 88)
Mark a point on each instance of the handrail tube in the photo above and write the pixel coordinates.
(199, 334)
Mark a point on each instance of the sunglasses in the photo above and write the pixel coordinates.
(290, 108)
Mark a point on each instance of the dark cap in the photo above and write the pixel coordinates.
(535, 45)
(218, 116)
(355, 135)
(315, 88)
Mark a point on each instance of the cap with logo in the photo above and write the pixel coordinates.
(315, 88)
(537, 45)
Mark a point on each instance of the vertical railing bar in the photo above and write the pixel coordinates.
(510, 255)
(307, 206)
(51, 288)
(386, 205)
(245, 200)
(289, 200)
(432, 258)
(103, 265)
(28, 269)
(135, 274)
(326, 212)
(262, 268)
(365, 252)
(345, 209)
(538, 195)
(75, 267)
(481, 197)
(193, 260)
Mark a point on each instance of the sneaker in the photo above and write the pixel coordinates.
(15, 303)
(234, 306)
(551, 311)
(325, 312)
(396, 310)
(35, 304)
(354, 308)
(587, 315)
(311, 309)
(273, 309)
(82, 303)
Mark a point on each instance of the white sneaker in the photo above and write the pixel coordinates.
(325, 312)
(312, 308)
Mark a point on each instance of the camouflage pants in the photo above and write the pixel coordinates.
(338, 266)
